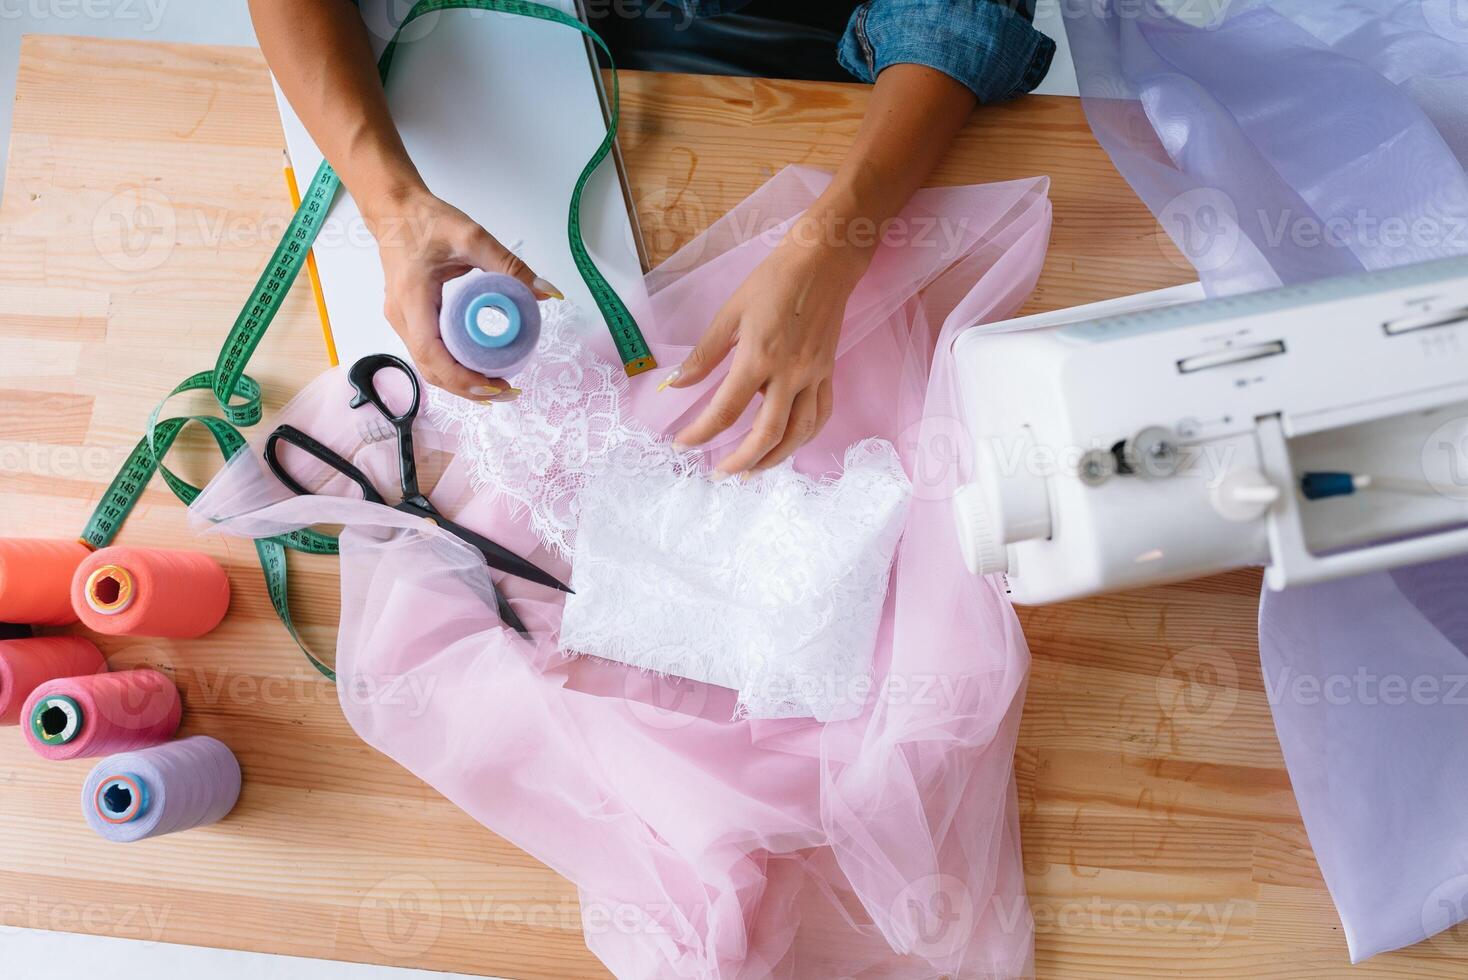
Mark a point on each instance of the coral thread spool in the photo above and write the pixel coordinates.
(98, 714)
(150, 592)
(161, 790)
(35, 580)
(490, 322)
(27, 664)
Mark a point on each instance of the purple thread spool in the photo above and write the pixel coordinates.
(162, 789)
(490, 322)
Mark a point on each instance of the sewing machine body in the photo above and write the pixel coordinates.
(1163, 437)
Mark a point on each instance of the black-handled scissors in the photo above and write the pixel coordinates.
(362, 376)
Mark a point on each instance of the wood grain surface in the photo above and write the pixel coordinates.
(143, 196)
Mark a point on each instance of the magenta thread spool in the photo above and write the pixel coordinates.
(164, 789)
(27, 664)
(96, 714)
(490, 322)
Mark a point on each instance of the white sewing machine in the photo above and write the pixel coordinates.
(1321, 430)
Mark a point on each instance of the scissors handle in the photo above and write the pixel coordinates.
(295, 437)
(363, 378)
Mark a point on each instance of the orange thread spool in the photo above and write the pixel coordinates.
(35, 580)
(150, 592)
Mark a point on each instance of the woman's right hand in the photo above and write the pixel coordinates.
(423, 243)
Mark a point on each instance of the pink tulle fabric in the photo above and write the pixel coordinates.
(703, 845)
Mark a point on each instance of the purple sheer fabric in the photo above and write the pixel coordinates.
(1288, 141)
(1279, 142)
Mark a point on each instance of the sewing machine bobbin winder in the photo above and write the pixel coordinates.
(1320, 430)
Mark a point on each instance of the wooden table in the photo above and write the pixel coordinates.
(144, 194)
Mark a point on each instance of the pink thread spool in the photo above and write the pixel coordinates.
(98, 714)
(150, 592)
(27, 664)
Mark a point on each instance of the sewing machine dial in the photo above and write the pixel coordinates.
(1004, 504)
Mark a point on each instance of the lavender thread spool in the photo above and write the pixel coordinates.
(162, 789)
(490, 322)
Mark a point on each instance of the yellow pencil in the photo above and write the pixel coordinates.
(290, 182)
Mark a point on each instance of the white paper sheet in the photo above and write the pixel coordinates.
(500, 113)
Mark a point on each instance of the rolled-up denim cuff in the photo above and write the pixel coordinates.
(989, 47)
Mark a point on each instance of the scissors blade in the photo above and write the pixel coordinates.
(504, 559)
(495, 556)
(508, 616)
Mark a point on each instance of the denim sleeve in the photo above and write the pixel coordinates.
(988, 45)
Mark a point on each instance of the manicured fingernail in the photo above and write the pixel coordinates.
(508, 395)
(541, 286)
(484, 390)
(718, 476)
(744, 477)
(680, 446)
(671, 376)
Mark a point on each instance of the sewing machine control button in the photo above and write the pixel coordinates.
(1425, 321)
(1096, 467)
(1230, 355)
(1153, 453)
(1243, 496)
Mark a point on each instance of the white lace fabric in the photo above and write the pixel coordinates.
(773, 588)
(540, 450)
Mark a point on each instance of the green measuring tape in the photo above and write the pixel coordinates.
(238, 395)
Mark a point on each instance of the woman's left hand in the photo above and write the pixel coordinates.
(783, 324)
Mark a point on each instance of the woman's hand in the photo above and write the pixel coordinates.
(321, 55)
(423, 243)
(783, 324)
(786, 317)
